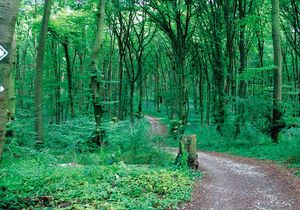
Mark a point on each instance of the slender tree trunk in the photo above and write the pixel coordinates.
(242, 84)
(95, 83)
(69, 76)
(229, 15)
(277, 125)
(195, 95)
(141, 92)
(121, 105)
(201, 104)
(110, 75)
(156, 90)
(131, 104)
(38, 119)
(9, 12)
(208, 89)
(57, 81)
(80, 83)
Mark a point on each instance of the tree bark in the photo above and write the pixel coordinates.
(69, 76)
(242, 84)
(277, 125)
(8, 13)
(95, 82)
(38, 119)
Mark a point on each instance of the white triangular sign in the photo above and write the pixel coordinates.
(3, 53)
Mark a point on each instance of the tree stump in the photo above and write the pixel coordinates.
(188, 146)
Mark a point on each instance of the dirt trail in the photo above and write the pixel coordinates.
(233, 183)
(239, 183)
(156, 127)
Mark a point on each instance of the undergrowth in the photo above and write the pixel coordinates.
(130, 171)
(30, 185)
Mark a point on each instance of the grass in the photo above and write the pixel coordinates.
(129, 172)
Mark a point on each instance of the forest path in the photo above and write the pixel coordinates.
(232, 183)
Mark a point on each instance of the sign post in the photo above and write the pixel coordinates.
(3, 53)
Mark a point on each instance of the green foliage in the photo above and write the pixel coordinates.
(176, 129)
(134, 144)
(72, 173)
(68, 23)
(29, 185)
(71, 137)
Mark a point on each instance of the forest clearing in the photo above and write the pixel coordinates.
(150, 104)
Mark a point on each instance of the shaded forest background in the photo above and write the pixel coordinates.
(208, 60)
(214, 59)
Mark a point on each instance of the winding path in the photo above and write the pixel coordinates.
(235, 183)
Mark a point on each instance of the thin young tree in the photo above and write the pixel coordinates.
(277, 97)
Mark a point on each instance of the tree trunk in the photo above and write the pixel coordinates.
(277, 125)
(242, 84)
(188, 147)
(121, 105)
(140, 106)
(9, 12)
(57, 81)
(95, 83)
(38, 119)
(201, 104)
(131, 104)
(69, 76)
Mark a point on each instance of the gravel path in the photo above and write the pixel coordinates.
(156, 127)
(235, 183)
(238, 183)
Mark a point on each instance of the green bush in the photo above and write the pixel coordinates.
(135, 145)
(70, 172)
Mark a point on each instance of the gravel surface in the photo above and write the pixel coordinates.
(239, 183)
(156, 127)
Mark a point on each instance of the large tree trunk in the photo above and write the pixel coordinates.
(38, 119)
(95, 83)
(9, 12)
(11, 91)
(277, 125)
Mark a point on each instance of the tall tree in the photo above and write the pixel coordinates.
(95, 82)
(9, 12)
(277, 97)
(38, 119)
(174, 19)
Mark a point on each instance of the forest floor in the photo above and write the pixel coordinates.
(231, 182)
